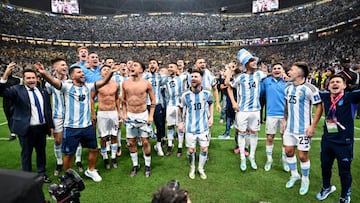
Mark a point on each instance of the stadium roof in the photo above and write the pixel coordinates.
(113, 7)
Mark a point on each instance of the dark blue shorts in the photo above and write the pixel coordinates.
(73, 136)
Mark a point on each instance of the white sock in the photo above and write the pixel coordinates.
(134, 158)
(147, 160)
(78, 154)
(104, 153)
(180, 139)
(202, 159)
(283, 154)
(170, 136)
(58, 154)
(305, 170)
(269, 150)
(253, 145)
(292, 165)
(119, 137)
(192, 159)
(241, 144)
(114, 148)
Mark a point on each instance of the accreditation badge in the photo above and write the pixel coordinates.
(331, 126)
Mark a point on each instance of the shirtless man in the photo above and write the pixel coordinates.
(107, 116)
(134, 92)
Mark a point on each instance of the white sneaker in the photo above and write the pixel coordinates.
(202, 173)
(243, 165)
(292, 181)
(304, 188)
(158, 150)
(325, 192)
(192, 173)
(253, 164)
(93, 175)
(267, 166)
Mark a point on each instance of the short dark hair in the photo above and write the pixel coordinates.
(141, 64)
(277, 63)
(337, 76)
(72, 68)
(197, 70)
(303, 66)
(55, 60)
(104, 66)
(29, 70)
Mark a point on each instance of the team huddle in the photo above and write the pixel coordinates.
(90, 100)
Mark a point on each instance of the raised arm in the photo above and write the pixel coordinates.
(105, 79)
(47, 76)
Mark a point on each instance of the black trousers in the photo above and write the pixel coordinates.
(344, 155)
(34, 138)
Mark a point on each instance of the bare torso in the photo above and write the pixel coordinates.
(107, 96)
(135, 92)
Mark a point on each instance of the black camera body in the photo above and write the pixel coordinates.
(174, 185)
(68, 191)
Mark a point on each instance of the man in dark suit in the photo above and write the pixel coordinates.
(32, 118)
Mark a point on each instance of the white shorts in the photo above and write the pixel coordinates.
(249, 120)
(302, 141)
(137, 129)
(273, 123)
(58, 125)
(171, 115)
(107, 123)
(203, 139)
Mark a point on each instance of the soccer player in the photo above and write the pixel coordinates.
(273, 88)
(119, 78)
(338, 139)
(208, 81)
(77, 124)
(247, 106)
(298, 125)
(60, 72)
(157, 80)
(174, 88)
(134, 111)
(196, 106)
(107, 117)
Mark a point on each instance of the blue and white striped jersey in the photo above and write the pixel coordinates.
(300, 99)
(195, 108)
(77, 104)
(156, 81)
(174, 88)
(119, 80)
(248, 90)
(58, 108)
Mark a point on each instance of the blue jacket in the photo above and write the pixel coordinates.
(343, 115)
(22, 108)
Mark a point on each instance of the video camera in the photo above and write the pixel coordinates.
(68, 191)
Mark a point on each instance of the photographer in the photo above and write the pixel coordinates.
(171, 193)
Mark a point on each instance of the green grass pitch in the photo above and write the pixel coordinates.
(225, 182)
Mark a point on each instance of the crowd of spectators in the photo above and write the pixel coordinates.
(178, 27)
(322, 51)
